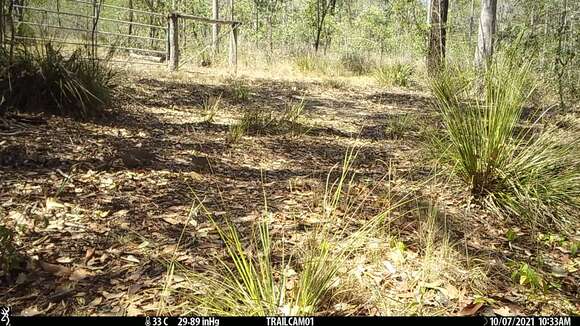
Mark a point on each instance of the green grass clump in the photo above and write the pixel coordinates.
(398, 75)
(355, 63)
(308, 63)
(258, 121)
(398, 125)
(515, 166)
(251, 283)
(44, 79)
(211, 107)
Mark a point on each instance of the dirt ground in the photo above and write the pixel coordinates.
(100, 205)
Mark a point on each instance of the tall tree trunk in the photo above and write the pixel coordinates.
(485, 37)
(437, 39)
(131, 17)
(215, 27)
(270, 33)
(58, 13)
(429, 10)
(471, 20)
(257, 23)
(2, 24)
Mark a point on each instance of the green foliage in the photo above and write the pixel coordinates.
(9, 258)
(397, 74)
(254, 121)
(524, 274)
(251, 283)
(44, 79)
(257, 121)
(294, 112)
(511, 164)
(236, 132)
(239, 89)
(309, 63)
(355, 63)
(511, 235)
(400, 124)
(574, 246)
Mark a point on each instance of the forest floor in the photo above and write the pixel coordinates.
(99, 206)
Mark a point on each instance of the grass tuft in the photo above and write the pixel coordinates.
(513, 165)
(398, 75)
(44, 79)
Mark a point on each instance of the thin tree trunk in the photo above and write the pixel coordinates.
(471, 20)
(131, 17)
(215, 27)
(2, 23)
(58, 13)
(257, 24)
(437, 39)
(270, 34)
(485, 37)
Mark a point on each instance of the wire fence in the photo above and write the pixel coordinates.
(135, 35)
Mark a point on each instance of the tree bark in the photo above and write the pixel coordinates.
(471, 20)
(321, 11)
(215, 27)
(485, 37)
(437, 39)
(131, 17)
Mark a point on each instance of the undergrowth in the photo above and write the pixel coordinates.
(511, 163)
(44, 78)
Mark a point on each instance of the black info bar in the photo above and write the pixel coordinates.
(292, 321)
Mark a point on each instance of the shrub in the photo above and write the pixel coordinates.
(355, 63)
(398, 74)
(44, 79)
(311, 63)
(514, 166)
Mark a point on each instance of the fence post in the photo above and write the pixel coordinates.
(234, 47)
(173, 42)
(2, 22)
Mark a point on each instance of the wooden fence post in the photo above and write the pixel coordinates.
(234, 47)
(173, 42)
(233, 55)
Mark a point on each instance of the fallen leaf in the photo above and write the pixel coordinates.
(96, 301)
(131, 258)
(30, 311)
(79, 274)
(110, 296)
(64, 260)
(470, 310)
(503, 311)
(57, 270)
(51, 204)
(90, 252)
(171, 221)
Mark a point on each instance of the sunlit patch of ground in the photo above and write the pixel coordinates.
(99, 206)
